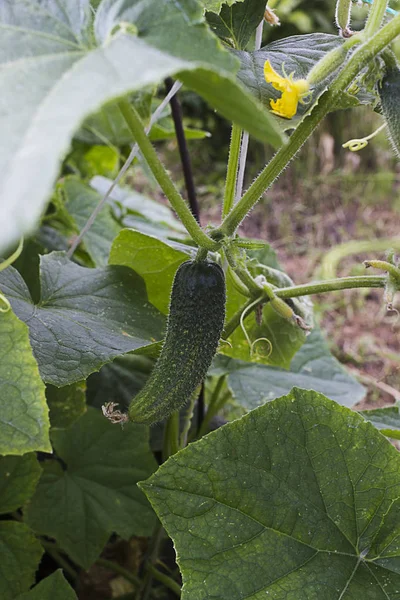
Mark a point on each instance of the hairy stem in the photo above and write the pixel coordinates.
(375, 17)
(232, 170)
(177, 202)
(169, 583)
(113, 566)
(308, 289)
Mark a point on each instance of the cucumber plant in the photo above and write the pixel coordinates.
(162, 380)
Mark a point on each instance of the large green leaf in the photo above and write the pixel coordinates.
(153, 259)
(312, 368)
(24, 420)
(299, 499)
(386, 419)
(18, 478)
(296, 54)
(20, 555)
(96, 493)
(236, 23)
(85, 317)
(54, 587)
(53, 75)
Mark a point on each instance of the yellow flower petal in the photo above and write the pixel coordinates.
(285, 106)
(271, 76)
(292, 91)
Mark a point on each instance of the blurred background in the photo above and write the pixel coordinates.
(325, 203)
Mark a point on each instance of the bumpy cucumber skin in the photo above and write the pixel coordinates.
(195, 323)
(389, 92)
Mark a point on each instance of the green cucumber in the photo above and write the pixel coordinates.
(389, 92)
(195, 323)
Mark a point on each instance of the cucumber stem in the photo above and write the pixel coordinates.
(135, 125)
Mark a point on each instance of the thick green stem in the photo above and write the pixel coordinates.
(177, 202)
(112, 566)
(165, 580)
(375, 17)
(232, 171)
(365, 53)
(274, 168)
(333, 285)
(308, 289)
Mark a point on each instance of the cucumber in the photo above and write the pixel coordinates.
(195, 323)
(389, 92)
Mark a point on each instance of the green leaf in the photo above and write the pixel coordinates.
(236, 23)
(80, 200)
(154, 260)
(24, 421)
(216, 5)
(85, 318)
(386, 419)
(96, 494)
(18, 478)
(299, 499)
(66, 404)
(297, 54)
(54, 587)
(313, 368)
(20, 555)
(52, 58)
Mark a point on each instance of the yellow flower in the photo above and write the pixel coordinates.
(293, 91)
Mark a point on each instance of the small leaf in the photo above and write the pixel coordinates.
(18, 478)
(313, 367)
(20, 555)
(85, 317)
(386, 419)
(216, 5)
(153, 259)
(96, 494)
(24, 421)
(66, 404)
(54, 587)
(297, 499)
(237, 22)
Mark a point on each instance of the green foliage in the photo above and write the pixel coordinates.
(96, 494)
(97, 314)
(313, 367)
(54, 587)
(295, 500)
(24, 423)
(236, 23)
(20, 556)
(54, 56)
(298, 498)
